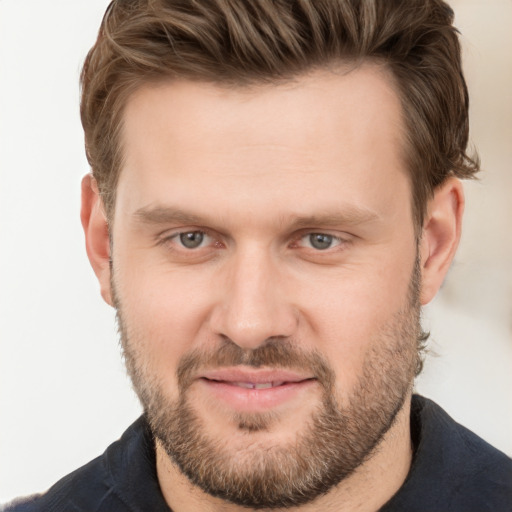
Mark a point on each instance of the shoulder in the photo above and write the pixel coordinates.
(453, 468)
(91, 488)
(85, 487)
(443, 441)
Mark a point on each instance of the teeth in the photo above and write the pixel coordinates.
(261, 385)
(248, 385)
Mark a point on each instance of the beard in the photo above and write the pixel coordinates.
(327, 448)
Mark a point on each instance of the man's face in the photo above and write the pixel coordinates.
(264, 272)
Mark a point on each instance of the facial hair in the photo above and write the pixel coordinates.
(326, 450)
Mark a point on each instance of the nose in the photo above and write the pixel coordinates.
(253, 305)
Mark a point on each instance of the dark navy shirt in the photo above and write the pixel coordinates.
(453, 470)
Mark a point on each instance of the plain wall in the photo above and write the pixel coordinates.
(64, 395)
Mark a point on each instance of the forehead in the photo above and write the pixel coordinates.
(336, 132)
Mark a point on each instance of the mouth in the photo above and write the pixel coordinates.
(255, 390)
(250, 378)
(254, 385)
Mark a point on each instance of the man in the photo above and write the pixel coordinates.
(274, 195)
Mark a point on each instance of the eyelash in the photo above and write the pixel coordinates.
(333, 238)
(337, 240)
(176, 236)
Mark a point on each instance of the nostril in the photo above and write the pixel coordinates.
(250, 324)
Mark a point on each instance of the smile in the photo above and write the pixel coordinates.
(250, 390)
(254, 385)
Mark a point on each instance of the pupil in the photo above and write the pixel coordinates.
(192, 239)
(320, 241)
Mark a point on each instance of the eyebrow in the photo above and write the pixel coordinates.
(166, 215)
(352, 215)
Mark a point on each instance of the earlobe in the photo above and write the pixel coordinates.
(440, 237)
(97, 241)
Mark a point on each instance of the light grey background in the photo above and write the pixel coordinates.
(63, 392)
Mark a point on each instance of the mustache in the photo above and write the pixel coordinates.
(274, 353)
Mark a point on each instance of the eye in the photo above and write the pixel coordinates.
(320, 241)
(192, 239)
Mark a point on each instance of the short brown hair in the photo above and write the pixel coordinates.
(241, 42)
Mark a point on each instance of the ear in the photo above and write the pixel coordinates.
(97, 242)
(440, 237)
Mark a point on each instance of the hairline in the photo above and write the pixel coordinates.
(249, 85)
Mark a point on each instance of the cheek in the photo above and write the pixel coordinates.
(163, 315)
(350, 315)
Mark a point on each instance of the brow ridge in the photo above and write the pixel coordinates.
(169, 215)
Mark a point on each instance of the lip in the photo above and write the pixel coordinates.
(250, 390)
(257, 376)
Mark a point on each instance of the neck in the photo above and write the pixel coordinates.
(366, 490)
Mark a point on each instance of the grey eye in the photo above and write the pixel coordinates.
(320, 241)
(192, 239)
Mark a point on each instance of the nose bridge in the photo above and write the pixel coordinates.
(254, 306)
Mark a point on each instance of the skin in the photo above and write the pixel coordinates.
(258, 170)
